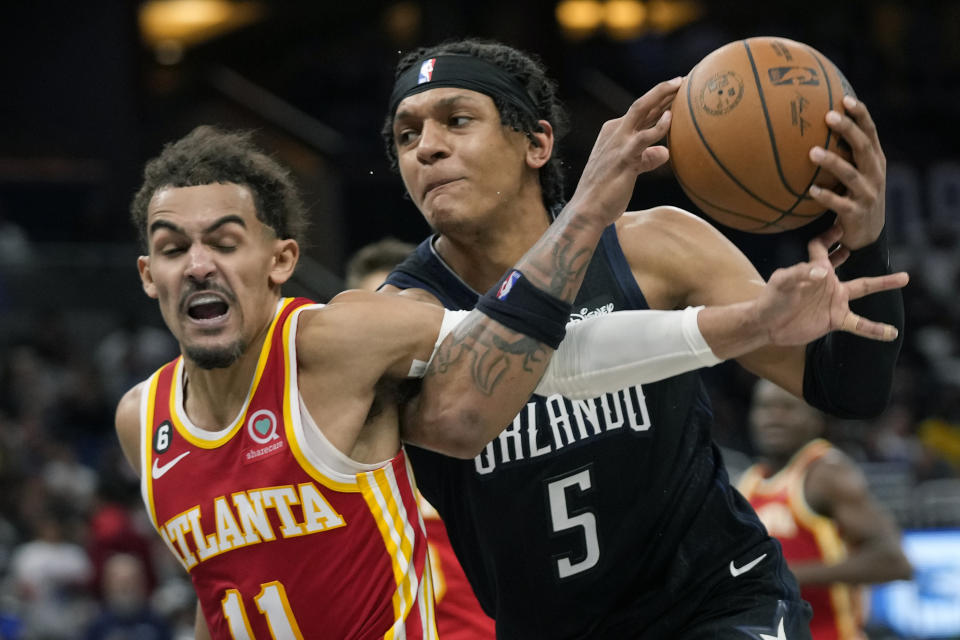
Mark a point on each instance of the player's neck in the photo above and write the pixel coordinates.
(214, 397)
(778, 462)
(481, 258)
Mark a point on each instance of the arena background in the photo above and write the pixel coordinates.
(90, 90)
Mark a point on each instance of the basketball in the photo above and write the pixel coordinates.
(744, 121)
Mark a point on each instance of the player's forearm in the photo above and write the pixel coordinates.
(872, 564)
(848, 376)
(606, 353)
(733, 330)
(558, 261)
(487, 368)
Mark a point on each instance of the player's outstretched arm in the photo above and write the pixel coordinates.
(837, 489)
(605, 353)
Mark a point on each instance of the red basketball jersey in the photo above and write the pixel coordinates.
(805, 536)
(282, 538)
(459, 615)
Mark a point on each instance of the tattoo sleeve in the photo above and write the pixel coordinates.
(490, 354)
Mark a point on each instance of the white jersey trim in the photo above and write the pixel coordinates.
(316, 448)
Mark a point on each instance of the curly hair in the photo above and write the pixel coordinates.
(209, 155)
(532, 75)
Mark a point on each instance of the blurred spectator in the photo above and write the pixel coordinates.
(49, 575)
(127, 613)
(129, 354)
(371, 264)
(67, 480)
(15, 247)
(940, 449)
(113, 529)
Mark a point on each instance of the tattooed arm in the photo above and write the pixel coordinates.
(352, 353)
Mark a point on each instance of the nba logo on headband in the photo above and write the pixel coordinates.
(426, 71)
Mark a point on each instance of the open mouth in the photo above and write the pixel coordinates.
(207, 306)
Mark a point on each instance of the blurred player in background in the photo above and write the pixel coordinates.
(459, 616)
(613, 517)
(370, 265)
(816, 502)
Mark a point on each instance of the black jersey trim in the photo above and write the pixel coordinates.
(622, 272)
(423, 269)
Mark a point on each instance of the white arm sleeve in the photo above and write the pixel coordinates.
(606, 353)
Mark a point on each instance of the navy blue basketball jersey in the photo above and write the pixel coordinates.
(608, 517)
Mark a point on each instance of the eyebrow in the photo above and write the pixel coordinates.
(441, 103)
(165, 224)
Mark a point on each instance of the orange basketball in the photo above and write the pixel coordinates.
(744, 121)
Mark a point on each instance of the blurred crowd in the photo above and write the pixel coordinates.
(78, 558)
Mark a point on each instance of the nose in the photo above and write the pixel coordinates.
(433, 144)
(200, 264)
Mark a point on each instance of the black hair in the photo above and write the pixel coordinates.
(382, 255)
(209, 155)
(531, 73)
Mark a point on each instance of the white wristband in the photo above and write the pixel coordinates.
(450, 319)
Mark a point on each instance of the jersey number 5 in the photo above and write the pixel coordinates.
(272, 603)
(561, 520)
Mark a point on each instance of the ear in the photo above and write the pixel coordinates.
(146, 278)
(539, 154)
(285, 255)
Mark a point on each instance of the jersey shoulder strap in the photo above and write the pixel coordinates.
(424, 269)
(611, 250)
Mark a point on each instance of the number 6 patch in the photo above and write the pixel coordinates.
(161, 437)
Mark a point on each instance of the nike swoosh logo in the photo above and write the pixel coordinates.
(735, 571)
(158, 471)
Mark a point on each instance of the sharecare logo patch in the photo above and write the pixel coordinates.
(262, 430)
(426, 71)
(507, 285)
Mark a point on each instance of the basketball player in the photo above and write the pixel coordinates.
(612, 517)
(459, 616)
(270, 449)
(816, 502)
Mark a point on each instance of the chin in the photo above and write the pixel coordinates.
(449, 224)
(219, 357)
